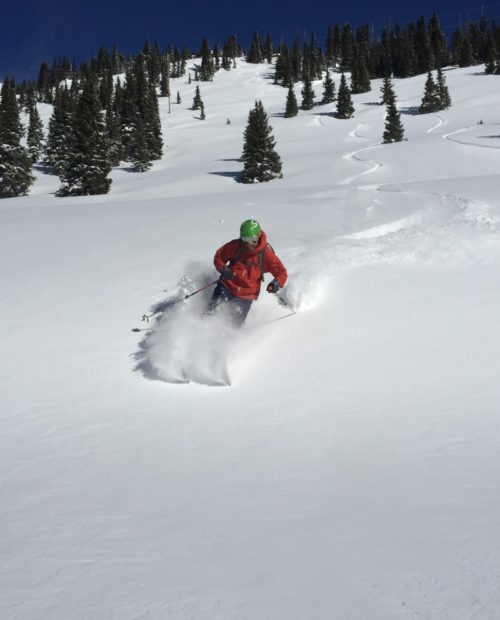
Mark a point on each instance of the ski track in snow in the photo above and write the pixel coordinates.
(354, 155)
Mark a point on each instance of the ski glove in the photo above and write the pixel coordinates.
(273, 286)
(227, 274)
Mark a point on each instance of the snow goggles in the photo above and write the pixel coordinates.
(249, 239)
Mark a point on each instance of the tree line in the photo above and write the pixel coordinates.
(100, 120)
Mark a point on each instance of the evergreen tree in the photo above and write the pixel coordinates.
(44, 85)
(15, 161)
(444, 95)
(425, 55)
(197, 102)
(140, 114)
(35, 133)
(267, 49)
(115, 149)
(207, 68)
(490, 55)
(386, 52)
(360, 81)
(345, 108)
(431, 100)
(328, 89)
(387, 92)
(346, 48)
(394, 131)
(255, 52)
(403, 64)
(60, 131)
(179, 100)
(291, 104)
(438, 41)
(88, 166)
(295, 62)
(261, 161)
(307, 94)
(165, 77)
(141, 155)
(466, 59)
(106, 90)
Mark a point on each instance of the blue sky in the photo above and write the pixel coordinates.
(33, 31)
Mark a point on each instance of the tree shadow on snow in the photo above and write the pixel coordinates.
(236, 176)
(411, 111)
(45, 169)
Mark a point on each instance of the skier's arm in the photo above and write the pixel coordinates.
(276, 268)
(223, 255)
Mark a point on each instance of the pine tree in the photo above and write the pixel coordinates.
(197, 102)
(255, 52)
(207, 68)
(267, 49)
(140, 115)
(345, 108)
(35, 134)
(261, 161)
(490, 55)
(15, 161)
(115, 149)
(347, 44)
(360, 81)
(165, 77)
(394, 131)
(291, 104)
(328, 89)
(466, 59)
(307, 94)
(438, 41)
(444, 95)
(88, 167)
(387, 92)
(179, 100)
(60, 131)
(431, 100)
(141, 155)
(425, 55)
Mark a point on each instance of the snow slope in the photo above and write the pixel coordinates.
(350, 471)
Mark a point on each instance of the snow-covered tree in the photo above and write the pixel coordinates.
(88, 164)
(15, 161)
(35, 133)
(261, 161)
(328, 89)
(345, 108)
(291, 104)
(394, 130)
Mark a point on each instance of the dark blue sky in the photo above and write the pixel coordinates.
(36, 30)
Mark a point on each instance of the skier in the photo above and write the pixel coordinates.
(242, 264)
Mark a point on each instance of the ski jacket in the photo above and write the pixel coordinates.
(249, 267)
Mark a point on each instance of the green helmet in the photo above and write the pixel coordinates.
(249, 228)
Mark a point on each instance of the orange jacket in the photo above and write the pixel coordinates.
(248, 275)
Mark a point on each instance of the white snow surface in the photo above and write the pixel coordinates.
(350, 471)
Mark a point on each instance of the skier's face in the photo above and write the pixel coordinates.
(251, 244)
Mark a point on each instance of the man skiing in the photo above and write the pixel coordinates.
(242, 264)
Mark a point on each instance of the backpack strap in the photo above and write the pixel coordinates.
(237, 255)
(260, 257)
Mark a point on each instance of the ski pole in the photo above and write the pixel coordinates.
(146, 317)
(283, 302)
